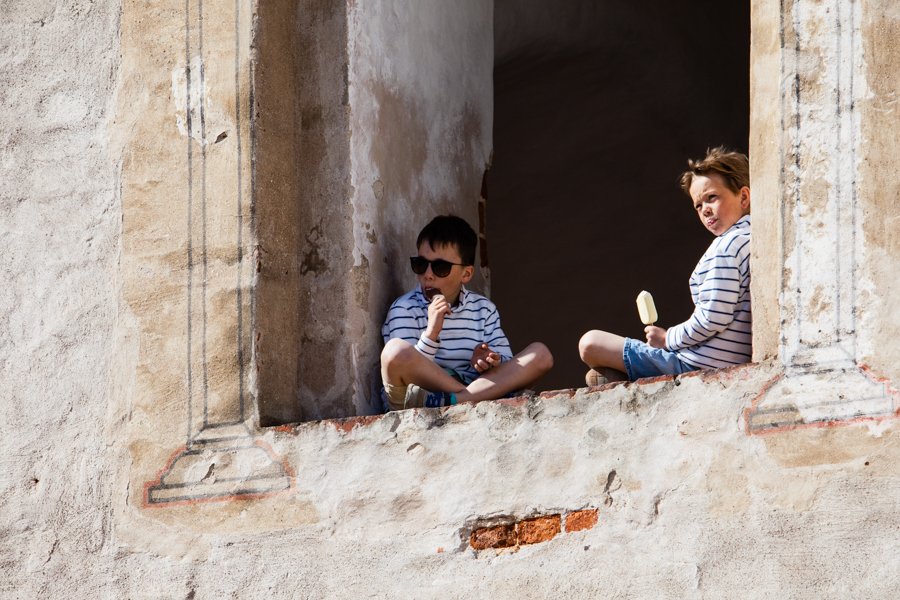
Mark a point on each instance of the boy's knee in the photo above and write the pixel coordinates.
(588, 343)
(543, 358)
(395, 351)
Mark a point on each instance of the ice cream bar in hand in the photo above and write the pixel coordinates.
(646, 308)
(430, 293)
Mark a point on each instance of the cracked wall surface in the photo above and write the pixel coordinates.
(130, 467)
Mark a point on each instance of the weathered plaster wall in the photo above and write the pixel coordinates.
(824, 164)
(766, 126)
(106, 469)
(688, 504)
(303, 213)
(60, 222)
(820, 269)
(879, 193)
(278, 204)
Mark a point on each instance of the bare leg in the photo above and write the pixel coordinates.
(602, 351)
(524, 369)
(402, 364)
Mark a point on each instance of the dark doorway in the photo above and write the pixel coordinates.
(598, 105)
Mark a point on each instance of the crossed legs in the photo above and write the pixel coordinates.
(402, 364)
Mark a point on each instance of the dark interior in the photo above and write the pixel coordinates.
(598, 105)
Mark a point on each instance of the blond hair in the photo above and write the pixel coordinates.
(733, 167)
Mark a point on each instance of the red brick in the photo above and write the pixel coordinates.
(538, 529)
(499, 536)
(581, 519)
(742, 371)
(657, 379)
(346, 425)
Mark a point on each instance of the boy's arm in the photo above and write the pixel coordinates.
(401, 322)
(717, 298)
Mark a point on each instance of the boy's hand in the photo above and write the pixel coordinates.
(436, 311)
(483, 358)
(656, 336)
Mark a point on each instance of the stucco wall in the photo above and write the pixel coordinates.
(823, 163)
(106, 471)
(60, 223)
(879, 164)
(766, 125)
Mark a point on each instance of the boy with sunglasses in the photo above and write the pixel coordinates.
(718, 333)
(444, 343)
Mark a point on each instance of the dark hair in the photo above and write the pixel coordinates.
(447, 230)
(733, 167)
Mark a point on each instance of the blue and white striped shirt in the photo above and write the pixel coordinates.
(474, 321)
(718, 334)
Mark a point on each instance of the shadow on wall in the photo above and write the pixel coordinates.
(591, 133)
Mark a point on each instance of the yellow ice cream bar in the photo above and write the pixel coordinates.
(646, 308)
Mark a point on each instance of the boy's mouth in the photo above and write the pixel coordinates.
(430, 293)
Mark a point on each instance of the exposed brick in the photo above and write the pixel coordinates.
(581, 519)
(348, 424)
(538, 529)
(568, 392)
(499, 536)
(657, 379)
(742, 371)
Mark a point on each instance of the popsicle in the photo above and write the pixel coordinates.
(646, 308)
(430, 293)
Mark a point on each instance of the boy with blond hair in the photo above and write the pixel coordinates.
(718, 333)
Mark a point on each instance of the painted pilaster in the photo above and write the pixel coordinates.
(810, 150)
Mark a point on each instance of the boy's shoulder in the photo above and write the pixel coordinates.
(474, 300)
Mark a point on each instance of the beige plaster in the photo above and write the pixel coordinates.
(766, 180)
(697, 495)
(880, 188)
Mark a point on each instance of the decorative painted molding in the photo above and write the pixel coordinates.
(221, 458)
(821, 228)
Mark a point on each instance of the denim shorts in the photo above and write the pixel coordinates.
(642, 360)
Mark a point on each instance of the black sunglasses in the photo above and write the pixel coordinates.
(440, 267)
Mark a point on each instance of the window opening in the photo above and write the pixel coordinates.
(598, 105)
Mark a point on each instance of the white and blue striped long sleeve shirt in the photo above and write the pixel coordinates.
(718, 334)
(474, 321)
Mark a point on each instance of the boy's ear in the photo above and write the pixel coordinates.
(745, 198)
(468, 272)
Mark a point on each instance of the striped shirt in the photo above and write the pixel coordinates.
(718, 334)
(474, 321)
